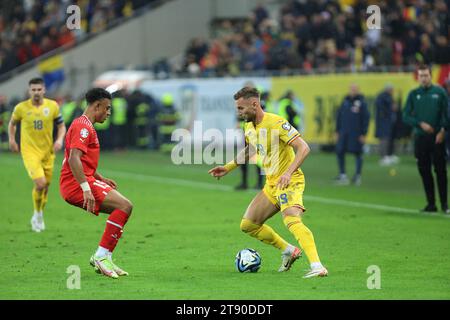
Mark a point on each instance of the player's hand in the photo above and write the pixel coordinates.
(336, 136)
(284, 181)
(218, 172)
(57, 146)
(13, 146)
(110, 182)
(88, 201)
(426, 127)
(440, 137)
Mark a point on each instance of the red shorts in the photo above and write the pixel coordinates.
(72, 193)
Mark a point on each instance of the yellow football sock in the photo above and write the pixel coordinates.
(37, 199)
(263, 233)
(304, 237)
(44, 200)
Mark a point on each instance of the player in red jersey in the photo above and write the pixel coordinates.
(82, 186)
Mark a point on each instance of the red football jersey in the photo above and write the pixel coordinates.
(81, 135)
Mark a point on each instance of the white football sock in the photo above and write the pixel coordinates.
(316, 265)
(289, 250)
(101, 252)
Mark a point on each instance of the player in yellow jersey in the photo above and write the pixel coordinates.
(37, 116)
(282, 151)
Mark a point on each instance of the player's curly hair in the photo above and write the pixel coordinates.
(246, 93)
(96, 94)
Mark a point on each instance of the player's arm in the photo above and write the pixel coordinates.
(111, 182)
(77, 170)
(12, 126)
(301, 149)
(59, 136)
(61, 127)
(242, 157)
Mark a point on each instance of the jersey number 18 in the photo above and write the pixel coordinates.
(37, 124)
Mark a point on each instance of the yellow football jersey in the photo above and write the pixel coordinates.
(271, 139)
(36, 126)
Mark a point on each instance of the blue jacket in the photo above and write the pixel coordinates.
(352, 121)
(385, 116)
(353, 116)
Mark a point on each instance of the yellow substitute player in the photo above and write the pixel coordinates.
(37, 116)
(282, 151)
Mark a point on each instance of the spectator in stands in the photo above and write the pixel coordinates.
(8, 58)
(28, 50)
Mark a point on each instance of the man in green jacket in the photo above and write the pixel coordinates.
(426, 112)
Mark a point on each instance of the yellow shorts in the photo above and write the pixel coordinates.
(292, 196)
(38, 167)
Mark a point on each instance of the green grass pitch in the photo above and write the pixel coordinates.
(182, 238)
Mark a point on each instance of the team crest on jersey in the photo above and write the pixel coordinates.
(286, 126)
(46, 111)
(84, 133)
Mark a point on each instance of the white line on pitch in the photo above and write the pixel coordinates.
(212, 186)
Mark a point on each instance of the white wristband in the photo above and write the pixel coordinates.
(85, 186)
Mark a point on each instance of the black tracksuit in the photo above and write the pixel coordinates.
(429, 105)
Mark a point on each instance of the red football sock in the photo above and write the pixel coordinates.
(113, 230)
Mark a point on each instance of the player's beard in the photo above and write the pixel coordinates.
(245, 118)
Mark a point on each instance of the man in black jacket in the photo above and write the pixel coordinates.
(426, 112)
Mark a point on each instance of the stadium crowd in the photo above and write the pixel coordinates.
(324, 35)
(31, 28)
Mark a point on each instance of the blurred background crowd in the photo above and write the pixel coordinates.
(305, 35)
(29, 29)
(324, 35)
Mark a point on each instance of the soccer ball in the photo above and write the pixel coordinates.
(248, 260)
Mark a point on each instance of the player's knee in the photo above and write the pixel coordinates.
(41, 185)
(248, 227)
(296, 212)
(127, 206)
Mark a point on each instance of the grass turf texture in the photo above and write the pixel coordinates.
(182, 238)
